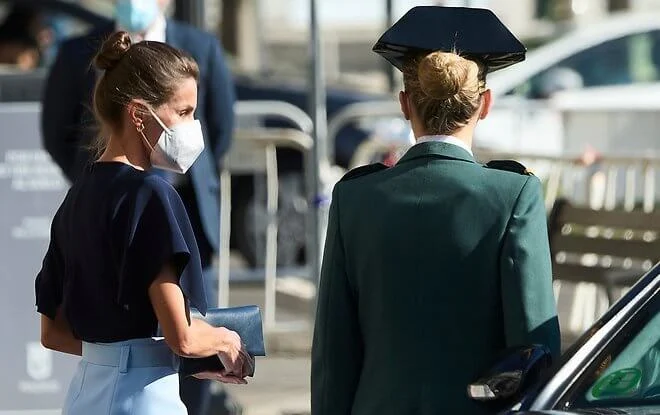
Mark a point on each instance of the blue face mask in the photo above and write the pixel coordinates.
(136, 15)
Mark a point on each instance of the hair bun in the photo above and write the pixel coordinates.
(113, 49)
(443, 75)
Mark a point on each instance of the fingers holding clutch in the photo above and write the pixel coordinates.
(221, 376)
(247, 368)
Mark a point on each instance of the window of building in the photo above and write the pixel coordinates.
(616, 5)
(556, 10)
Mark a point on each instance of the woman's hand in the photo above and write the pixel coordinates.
(56, 334)
(225, 376)
(230, 353)
(221, 376)
(236, 361)
(248, 364)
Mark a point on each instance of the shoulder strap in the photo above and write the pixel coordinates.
(509, 165)
(363, 171)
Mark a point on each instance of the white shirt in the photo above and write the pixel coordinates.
(155, 33)
(446, 139)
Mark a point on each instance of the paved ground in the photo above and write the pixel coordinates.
(281, 382)
(280, 386)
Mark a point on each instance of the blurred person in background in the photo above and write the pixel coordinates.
(28, 29)
(68, 127)
(54, 31)
(19, 42)
(19, 51)
(435, 266)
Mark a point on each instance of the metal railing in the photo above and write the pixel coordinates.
(371, 149)
(254, 152)
(355, 112)
(598, 181)
(261, 110)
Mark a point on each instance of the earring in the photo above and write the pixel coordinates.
(139, 127)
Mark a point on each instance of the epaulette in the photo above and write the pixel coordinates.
(363, 171)
(509, 165)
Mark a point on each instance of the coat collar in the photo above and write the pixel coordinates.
(171, 33)
(436, 149)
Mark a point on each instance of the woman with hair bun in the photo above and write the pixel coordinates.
(122, 259)
(435, 266)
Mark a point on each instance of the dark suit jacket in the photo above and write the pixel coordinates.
(67, 120)
(431, 268)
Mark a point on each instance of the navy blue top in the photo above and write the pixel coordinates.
(116, 229)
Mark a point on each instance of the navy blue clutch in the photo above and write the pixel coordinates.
(245, 320)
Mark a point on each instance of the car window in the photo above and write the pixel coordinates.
(630, 59)
(628, 374)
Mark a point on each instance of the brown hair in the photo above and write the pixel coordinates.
(150, 71)
(445, 89)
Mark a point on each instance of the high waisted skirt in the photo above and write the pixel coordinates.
(134, 377)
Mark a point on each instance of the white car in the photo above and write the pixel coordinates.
(621, 50)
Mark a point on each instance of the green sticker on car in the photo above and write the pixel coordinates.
(622, 383)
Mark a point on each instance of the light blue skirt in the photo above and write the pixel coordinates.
(135, 377)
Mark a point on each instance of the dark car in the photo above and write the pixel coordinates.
(614, 368)
(248, 210)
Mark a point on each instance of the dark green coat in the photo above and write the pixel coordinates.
(431, 268)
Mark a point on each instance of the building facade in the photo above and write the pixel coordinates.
(276, 37)
(534, 18)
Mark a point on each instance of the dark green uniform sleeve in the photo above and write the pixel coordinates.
(337, 348)
(530, 312)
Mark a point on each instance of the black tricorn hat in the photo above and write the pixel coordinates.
(475, 34)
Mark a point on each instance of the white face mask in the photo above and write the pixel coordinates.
(177, 147)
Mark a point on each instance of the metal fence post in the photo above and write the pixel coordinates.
(317, 103)
(254, 152)
(272, 191)
(225, 232)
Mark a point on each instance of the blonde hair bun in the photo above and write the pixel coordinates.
(443, 75)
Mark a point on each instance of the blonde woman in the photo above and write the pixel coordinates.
(435, 265)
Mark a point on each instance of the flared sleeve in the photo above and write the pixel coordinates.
(150, 228)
